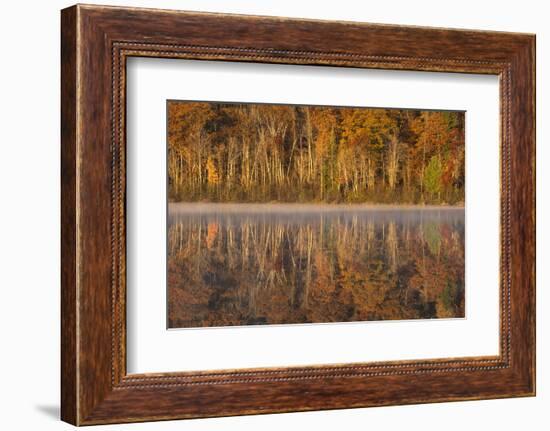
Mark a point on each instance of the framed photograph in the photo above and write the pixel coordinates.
(266, 215)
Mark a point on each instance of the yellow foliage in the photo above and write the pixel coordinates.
(212, 172)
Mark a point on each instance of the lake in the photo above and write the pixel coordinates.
(257, 264)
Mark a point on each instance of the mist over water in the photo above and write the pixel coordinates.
(250, 264)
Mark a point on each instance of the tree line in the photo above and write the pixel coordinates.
(223, 152)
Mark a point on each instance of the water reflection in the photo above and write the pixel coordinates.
(245, 265)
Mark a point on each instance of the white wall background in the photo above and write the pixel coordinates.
(29, 224)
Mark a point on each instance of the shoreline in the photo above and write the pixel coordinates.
(284, 207)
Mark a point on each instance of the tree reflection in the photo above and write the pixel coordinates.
(244, 268)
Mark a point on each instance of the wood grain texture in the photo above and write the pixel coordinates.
(69, 397)
(96, 41)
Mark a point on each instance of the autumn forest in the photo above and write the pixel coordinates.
(222, 152)
(293, 214)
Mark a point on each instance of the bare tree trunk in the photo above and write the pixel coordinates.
(393, 161)
(309, 131)
(371, 177)
(294, 140)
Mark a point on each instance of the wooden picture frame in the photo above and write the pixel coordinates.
(95, 43)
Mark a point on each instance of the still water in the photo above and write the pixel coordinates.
(248, 264)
